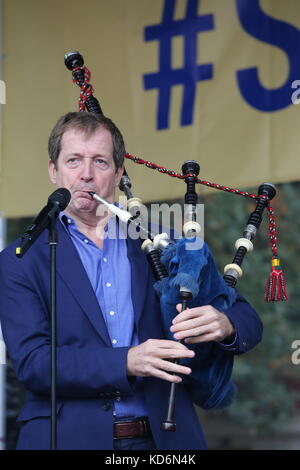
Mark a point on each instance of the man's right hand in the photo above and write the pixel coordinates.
(153, 358)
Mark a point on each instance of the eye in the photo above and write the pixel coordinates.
(100, 163)
(73, 162)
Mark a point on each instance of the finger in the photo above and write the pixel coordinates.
(174, 353)
(168, 366)
(201, 339)
(192, 323)
(197, 331)
(192, 313)
(160, 374)
(165, 344)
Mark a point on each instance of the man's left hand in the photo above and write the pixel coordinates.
(201, 324)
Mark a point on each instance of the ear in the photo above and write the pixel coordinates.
(52, 171)
(118, 175)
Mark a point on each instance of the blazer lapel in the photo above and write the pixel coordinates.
(71, 270)
(139, 276)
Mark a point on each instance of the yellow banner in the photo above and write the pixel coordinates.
(211, 80)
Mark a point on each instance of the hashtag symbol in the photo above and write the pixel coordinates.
(191, 73)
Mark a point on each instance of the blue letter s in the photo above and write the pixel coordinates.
(277, 33)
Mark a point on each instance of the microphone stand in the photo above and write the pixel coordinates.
(47, 218)
(52, 241)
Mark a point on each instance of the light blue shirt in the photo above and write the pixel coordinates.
(109, 272)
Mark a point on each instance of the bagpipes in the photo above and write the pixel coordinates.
(185, 270)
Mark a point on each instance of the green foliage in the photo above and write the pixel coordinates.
(267, 380)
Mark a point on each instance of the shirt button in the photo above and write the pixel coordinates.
(108, 284)
(114, 341)
(112, 313)
(105, 260)
(85, 240)
(69, 221)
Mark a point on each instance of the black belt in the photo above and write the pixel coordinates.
(139, 427)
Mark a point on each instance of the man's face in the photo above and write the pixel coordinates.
(85, 163)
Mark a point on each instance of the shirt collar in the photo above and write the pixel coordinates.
(68, 222)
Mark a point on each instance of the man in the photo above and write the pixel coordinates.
(114, 366)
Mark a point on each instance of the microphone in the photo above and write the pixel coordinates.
(57, 201)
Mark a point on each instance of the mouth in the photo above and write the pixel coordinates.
(85, 194)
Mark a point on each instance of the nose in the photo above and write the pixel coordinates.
(87, 172)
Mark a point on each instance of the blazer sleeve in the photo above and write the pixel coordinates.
(84, 369)
(247, 324)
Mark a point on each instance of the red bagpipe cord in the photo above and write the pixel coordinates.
(276, 283)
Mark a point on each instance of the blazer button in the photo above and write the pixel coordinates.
(106, 406)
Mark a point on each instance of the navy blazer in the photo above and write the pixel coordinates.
(90, 373)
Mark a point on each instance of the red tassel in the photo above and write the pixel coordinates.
(276, 283)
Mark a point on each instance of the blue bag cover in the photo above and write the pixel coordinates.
(191, 264)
